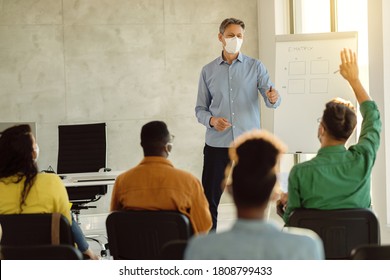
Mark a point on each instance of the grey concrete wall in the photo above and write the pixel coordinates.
(123, 62)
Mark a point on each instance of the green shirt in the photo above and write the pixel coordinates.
(337, 177)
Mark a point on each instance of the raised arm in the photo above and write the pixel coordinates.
(350, 71)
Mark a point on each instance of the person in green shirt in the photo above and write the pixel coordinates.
(338, 177)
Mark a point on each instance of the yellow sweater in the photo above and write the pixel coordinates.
(47, 195)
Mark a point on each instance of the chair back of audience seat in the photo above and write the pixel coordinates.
(41, 252)
(141, 235)
(341, 230)
(371, 252)
(35, 229)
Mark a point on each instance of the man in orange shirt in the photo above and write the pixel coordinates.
(154, 184)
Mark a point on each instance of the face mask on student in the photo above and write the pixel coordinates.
(169, 148)
(36, 150)
(233, 45)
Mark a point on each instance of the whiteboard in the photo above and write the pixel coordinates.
(306, 79)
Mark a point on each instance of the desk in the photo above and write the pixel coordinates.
(88, 187)
(89, 178)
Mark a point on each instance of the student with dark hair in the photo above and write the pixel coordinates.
(338, 177)
(254, 157)
(23, 190)
(154, 184)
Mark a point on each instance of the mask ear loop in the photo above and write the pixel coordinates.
(36, 151)
(169, 148)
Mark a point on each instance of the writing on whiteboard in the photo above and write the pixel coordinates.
(300, 49)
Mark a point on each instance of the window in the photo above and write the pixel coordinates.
(312, 16)
(308, 16)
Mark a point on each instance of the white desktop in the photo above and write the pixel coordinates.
(89, 178)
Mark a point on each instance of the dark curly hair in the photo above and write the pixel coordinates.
(339, 118)
(154, 136)
(16, 157)
(254, 174)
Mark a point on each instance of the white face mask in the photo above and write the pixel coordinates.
(233, 45)
(36, 150)
(169, 148)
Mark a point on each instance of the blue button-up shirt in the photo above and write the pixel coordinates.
(256, 240)
(231, 91)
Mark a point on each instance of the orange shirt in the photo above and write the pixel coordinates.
(155, 184)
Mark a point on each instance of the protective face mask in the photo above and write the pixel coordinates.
(36, 150)
(233, 45)
(169, 148)
(319, 137)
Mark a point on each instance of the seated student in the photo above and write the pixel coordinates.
(154, 184)
(253, 179)
(23, 190)
(338, 177)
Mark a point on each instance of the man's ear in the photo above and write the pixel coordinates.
(322, 129)
(220, 37)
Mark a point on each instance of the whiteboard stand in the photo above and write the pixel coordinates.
(297, 158)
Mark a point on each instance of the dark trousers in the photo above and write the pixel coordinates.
(214, 164)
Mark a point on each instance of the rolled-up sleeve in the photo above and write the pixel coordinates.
(203, 102)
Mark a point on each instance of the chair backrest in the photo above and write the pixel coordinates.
(35, 229)
(81, 148)
(142, 234)
(41, 252)
(341, 230)
(371, 252)
(174, 250)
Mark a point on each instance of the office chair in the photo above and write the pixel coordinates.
(41, 252)
(82, 148)
(35, 229)
(140, 235)
(173, 250)
(371, 252)
(341, 230)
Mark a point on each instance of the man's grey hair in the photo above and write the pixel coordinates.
(225, 23)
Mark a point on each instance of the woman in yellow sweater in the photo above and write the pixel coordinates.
(22, 189)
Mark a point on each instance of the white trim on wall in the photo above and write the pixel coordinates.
(386, 97)
(379, 67)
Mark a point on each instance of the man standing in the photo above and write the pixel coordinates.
(155, 184)
(228, 105)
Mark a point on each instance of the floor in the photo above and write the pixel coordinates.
(93, 225)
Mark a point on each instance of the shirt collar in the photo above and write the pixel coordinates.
(239, 58)
(156, 159)
(332, 149)
(254, 225)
